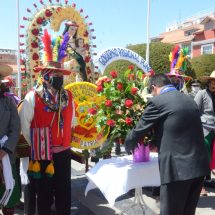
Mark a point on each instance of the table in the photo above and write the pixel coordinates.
(116, 176)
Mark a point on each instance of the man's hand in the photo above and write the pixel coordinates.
(2, 154)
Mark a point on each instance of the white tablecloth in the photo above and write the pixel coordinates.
(116, 176)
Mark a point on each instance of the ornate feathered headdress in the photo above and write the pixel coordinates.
(54, 53)
(178, 59)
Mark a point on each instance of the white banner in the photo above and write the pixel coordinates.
(110, 55)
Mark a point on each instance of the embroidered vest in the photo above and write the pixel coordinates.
(48, 131)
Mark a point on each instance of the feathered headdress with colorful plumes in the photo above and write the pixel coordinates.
(178, 59)
(54, 50)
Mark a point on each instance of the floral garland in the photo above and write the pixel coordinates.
(55, 14)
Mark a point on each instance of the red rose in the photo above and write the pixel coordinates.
(128, 121)
(134, 90)
(87, 59)
(108, 103)
(99, 89)
(113, 74)
(111, 122)
(150, 73)
(34, 44)
(119, 86)
(130, 77)
(48, 13)
(88, 70)
(39, 20)
(35, 56)
(131, 67)
(128, 103)
(92, 111)
(35, 31)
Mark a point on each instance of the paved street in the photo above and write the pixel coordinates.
(95, 203)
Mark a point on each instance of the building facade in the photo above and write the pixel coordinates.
(197, 33)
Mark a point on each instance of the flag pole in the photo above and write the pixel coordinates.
(148, 32)
(18, 53)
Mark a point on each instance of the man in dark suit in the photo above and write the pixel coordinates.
(183, 159)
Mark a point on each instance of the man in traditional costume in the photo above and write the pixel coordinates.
(9, 135)
(205, 100)
(46, 119)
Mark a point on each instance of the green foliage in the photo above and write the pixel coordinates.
(203, 65)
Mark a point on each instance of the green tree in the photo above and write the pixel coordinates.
(203, 65)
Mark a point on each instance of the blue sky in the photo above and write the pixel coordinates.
(116, 22)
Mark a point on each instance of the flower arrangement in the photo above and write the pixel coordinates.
(124, 103)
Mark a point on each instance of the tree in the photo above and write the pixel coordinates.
(203, 65)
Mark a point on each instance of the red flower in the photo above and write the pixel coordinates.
(92, 111)
(131, 67)
(130, 77)
(34, 44)
(48, 13)
(119, 86)
(128, 103)
(108, 103)
(35, 56)
(113, 74)
(150, 73)
(39, 20)
(35, 31)
(88, 70)
(87, 59)
(128, 121)
(99, 89)
(134, 90)
(111, 122)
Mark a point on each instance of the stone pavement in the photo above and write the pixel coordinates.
(95, 203)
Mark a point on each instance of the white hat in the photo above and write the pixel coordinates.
(5, 70)
(207, 78)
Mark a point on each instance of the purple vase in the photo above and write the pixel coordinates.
(141, 153)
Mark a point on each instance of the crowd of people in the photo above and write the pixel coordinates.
(183, 126)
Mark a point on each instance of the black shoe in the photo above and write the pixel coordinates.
(209, 183)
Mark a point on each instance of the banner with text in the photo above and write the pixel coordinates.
(110, 55)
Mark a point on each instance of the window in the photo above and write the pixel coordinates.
(207, 49)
